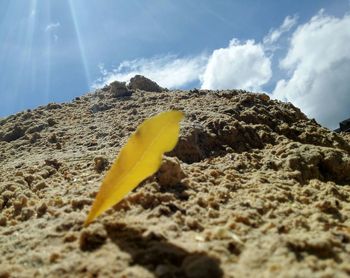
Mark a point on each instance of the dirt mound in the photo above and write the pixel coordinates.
(253, 189)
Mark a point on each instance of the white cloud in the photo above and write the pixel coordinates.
(52, 26)
(313, 75)
(274, 34)
(318, 61)
(168, 71)
(240, 65)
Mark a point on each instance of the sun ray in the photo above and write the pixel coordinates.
(48, 53)
(18, 38)
(80, 43)
(10, 33)
(28, 44)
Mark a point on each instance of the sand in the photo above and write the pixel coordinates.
(253, 189)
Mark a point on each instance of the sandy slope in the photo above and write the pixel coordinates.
(253, 189)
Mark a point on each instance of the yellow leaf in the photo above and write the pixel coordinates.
(139, 158)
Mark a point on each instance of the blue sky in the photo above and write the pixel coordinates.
(55, 50)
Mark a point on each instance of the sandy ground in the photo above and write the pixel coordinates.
(253, 189)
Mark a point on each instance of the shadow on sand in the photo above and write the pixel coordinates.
(162, 258)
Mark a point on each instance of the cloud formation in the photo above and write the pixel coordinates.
(240, 65)
(274, 34)
(313, 74)
(318, 61)
(168, 71)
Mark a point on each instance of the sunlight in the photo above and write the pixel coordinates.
(30, 38)
(24, 35)
(80, 43)
(48, 50)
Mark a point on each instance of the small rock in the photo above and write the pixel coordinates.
(26, 214)
(41, 185)
(101, 163)
(19, 174)
(6, 197)
(36, 128)
(41, 210)
(98, 107)
(29, 179)
(142, 83)
(70, 237)
(119, 89)
(51, 121)
(80, 203)
(3, 221)
(52, 138)
(53, 106)
(34, 138)
(170, 172)
(193, 224)
(13, 134)
(20, 203)
(54, 257)
(53, 163)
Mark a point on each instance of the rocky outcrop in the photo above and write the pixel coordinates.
(118, 89)
(139, 82)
